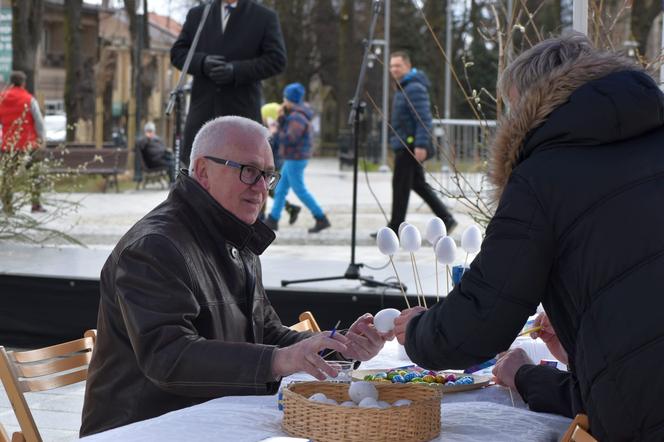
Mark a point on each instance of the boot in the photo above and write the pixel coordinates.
(271, 223)
(450, 224)
(321, 223)
(293, 211)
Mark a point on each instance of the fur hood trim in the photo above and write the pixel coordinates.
(538, 102)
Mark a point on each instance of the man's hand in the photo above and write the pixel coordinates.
(304, 356)
(212, 61)
(223, 73)
(401, 322)
(548, 335)
(420, 154)
(365, 340)
(508, 364)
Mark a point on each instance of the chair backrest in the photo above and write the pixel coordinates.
(578, 430)
(307, 323)
(43, 369)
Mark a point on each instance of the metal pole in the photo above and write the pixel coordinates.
(448, 68)
(661, 69)
(386, 89)
(580, 16)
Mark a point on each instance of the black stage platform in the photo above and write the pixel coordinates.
(49, 295)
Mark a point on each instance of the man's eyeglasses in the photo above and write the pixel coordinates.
(250, 174)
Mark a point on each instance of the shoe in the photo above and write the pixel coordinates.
(271, 223)
(38, 208)
(293, 212)
(450, 224)
(321, 223)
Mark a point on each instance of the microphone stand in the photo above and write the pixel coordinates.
(357, 106)
(176, 98)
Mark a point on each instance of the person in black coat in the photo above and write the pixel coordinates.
(155, 155)
(579, 167)
(240, 45)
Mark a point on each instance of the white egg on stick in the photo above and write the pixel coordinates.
(388, 244)
(471, 241)
(435, 229)
(411, 241)
(446, 253)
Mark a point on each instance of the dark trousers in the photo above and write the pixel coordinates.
(409, 175)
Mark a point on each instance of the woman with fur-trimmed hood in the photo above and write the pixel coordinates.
(579, 169)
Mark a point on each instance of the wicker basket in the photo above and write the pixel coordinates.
(419, 421)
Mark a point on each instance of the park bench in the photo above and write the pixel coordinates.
(84, 159)
(149, 175)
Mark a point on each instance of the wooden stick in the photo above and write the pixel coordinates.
(399, 281)
(417, 289)
(447, 277)
(437, 290)
(465, 263)
(417, 272)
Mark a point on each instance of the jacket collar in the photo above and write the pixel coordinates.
(536, 105)
(219, 221)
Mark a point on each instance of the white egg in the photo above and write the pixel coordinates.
(411, 240)
(401, 226)
(318, 397)
(471, 239)
(387, 241)
(384, 319)
(402, 402)
(361, 390)
(446, 250)
(348, 404)
(368, 402)
(383, 404)
(435, 229)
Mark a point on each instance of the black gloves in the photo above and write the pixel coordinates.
(218, 69)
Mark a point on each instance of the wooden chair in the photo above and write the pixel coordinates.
(578, 430)
(4, 437)
(42, 369)
(307, 323)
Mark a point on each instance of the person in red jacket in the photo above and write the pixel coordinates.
(22, 127)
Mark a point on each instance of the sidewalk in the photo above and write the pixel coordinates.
(103, 218)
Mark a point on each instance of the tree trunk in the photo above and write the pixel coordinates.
(73, 66)
(644, 13)
(26, 35)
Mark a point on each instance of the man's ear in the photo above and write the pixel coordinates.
(201, 173)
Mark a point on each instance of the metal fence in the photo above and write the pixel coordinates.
(463, 140)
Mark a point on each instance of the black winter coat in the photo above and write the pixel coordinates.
(579, 228)
(252, 41)
(183, 315)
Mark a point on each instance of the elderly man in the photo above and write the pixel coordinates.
(183, 315)
(580, 166)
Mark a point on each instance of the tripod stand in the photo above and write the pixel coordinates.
(353, 270)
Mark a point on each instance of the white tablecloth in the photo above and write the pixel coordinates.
(491, 414)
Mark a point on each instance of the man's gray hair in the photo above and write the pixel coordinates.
(149, 127)
(220, 133)
(541, 59)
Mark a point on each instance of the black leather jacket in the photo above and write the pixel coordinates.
(183, 315)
